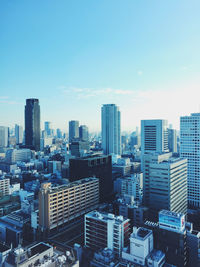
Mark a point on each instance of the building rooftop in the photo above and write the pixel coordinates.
(156, 255)
(170, 213)
(39, 248)
(73, 184)
(141, 233)
(106, 216)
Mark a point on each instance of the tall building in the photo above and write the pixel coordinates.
(4, 186)
(190, 149)
(99, 166)
(154, 136)
(73, 130)
(83, 133)
(15, 155)
(106, 230)
(172, 140)
(168, 186)
(48, 128)
(19, 134)
(111, 129)
(58, 205)
(4, 131)
(32, 124)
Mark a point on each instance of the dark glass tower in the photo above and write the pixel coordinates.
(32, 124)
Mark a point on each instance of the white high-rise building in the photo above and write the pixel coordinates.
(154, 136)
(19, 134)
(190, 149)
(111, 129)
(3, 136)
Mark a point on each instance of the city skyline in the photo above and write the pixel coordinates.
(141, 56)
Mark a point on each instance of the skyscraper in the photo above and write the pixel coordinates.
(18, 134)
(48, 128)
(83, 133)
(154, 136)
(32, 124)
(172, 140)
(73, 130)
(111, 129)
(190, 149)
(4, 132)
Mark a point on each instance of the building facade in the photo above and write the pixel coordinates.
(111, 129)
(190, 149)
(4, 136)
(32, 124)
(58, 205)
(106, 230)
(73, 130)
(19, 134)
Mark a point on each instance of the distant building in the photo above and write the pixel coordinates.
(32, 124)
(172, 140)
(83, 133)
(59, 205)
(78, 148)
(154, 136)
(4, 136)
(15, 155)
(106, 230)
(73, 130)
(111, 129)
(19, 134)
(48, 128)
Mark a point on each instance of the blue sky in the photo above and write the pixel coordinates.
(75, 55)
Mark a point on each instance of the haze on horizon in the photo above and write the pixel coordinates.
(75, 56)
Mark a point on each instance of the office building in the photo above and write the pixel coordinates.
(48, 128)
(58, 205)
(105, 230)
(32, 124)
(146, 160)
(190, 149)
(168, 186)
(99, 166)
(154, 136)
(172, 140)
(4, 186)
(19, 134)
(83, 133)
(141, 250)
(16, 155)
(4, 132)
(73, 130)
(111, 129)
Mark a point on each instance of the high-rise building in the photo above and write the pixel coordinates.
(172, 140)
(4, 186)
(99, 166)
(19, 134)
(73, 130)
(58, 205)
(4, 131)
(154, 136)
(111, 129)
(15, 155)
(190, 149)
(168, 186)
(83, 133)
(106, 230)
(32, 124)
(48, 128)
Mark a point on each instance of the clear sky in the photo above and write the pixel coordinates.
(75, 55)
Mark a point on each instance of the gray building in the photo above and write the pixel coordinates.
(19, 134)
(154, 136)
(73, 130)
(4, 136)
(168, 186)
(111, 129)
(83, 133)
(172, 140)
(32, 124)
